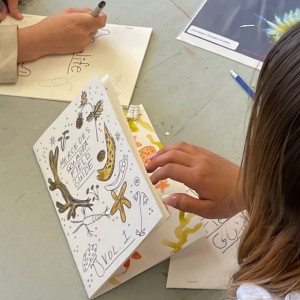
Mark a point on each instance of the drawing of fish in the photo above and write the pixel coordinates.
(280, 25)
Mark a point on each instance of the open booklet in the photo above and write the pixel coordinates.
(102, 217)
(117, 50)
(96, 178)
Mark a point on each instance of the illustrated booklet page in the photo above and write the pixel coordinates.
(180, 230)
(117, 50)
(101, 192)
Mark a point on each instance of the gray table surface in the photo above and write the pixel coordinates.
(186, 91)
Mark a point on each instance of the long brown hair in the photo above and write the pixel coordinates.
(269, 252)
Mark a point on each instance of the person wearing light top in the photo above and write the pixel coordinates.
(266, 186)
(69, 31)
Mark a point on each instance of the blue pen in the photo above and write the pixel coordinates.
(243, 84)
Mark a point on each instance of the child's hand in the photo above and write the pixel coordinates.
(69, 31)
(211, 176)
(11, 7)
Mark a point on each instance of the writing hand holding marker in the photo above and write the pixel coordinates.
(69, 31)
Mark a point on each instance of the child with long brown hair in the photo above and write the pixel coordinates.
(267, 185)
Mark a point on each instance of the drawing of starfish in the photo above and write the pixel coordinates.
(162, 185)
(120, 200)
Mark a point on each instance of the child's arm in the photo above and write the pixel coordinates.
(214, 178)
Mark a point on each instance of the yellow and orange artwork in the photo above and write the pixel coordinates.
(162, 185)
(182, 231)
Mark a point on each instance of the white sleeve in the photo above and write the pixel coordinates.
(254, 292)
(293, 296)
(8, 54)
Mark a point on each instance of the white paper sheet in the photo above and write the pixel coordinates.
(209, 262)
(116, 50)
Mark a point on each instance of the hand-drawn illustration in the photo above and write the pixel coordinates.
(94, 191)
(118, 136)
(101, 32)
(120, 200)
(136, 181)
(101, 155)
(63, 139)
(142, 200)
(71, 202)
(137, 143)
(89, 260)
(88, 220)
(23, 71)
(146, 152)
(280, 25)
(224, 233)
(106, 230)
(78, 61)
(56, 82)
(162, 185)
(123, 164)
(182, 231)
(94, 114)
(52, 140)
(133, 124)
(135, 255)
(153, 142)
(105, 173)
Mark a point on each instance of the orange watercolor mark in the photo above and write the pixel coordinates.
(137, 143)
(162, 185)
(126, 265)
(146, 152)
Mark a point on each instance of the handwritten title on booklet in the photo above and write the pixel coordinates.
(100, 190)
(78, 160)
